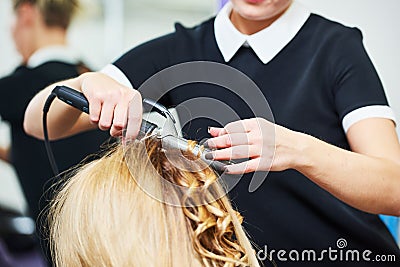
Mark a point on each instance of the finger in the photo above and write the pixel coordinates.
(228, 140)
(244, 167)
(120, 115)
(106, 116)
(95, 110)
(215, 131)
(135, 112)
(116, 132)
(120, 119)
(236, 152)
(241, 126)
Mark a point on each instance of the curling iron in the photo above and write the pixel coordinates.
(167, 132)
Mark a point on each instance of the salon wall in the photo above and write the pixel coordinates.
(104, 29)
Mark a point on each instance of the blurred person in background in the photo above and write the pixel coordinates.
(40, 35)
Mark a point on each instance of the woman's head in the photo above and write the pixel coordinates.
(55, 13)
(102, 217)
(36, 20)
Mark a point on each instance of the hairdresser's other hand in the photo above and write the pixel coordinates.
(267, 146)
(110, 102)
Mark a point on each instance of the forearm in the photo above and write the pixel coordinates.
(63, 120)
(368, 183)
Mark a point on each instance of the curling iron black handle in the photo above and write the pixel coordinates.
(79, 101)
(72, 98)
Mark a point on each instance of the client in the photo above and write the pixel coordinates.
(101, 216)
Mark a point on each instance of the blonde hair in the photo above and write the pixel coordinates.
(56, 13)
(102, 217)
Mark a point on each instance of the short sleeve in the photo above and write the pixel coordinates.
(358, 92)
(143, 61)
(140, 63)
(114, 72)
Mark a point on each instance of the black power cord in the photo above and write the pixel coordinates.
(47, 144)
(72, 98)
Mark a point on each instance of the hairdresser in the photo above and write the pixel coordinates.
(336, 156)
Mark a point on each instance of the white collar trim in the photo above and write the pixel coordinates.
(266, 43)
(52, 53)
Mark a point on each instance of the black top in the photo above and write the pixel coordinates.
(318, 78)
(28, 155)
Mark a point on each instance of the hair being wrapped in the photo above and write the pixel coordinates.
(103, 217)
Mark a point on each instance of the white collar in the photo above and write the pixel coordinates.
(52, 53)
(266, 43)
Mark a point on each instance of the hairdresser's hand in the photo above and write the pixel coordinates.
(267, 146)
(110, 104)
